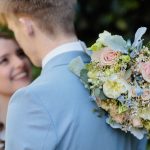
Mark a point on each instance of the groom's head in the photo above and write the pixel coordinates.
(28, 17)
(48, 14)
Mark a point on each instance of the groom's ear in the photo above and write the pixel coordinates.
(27, 25)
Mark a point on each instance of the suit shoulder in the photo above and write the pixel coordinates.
(56, 78)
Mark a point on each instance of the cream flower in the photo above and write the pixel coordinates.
(115, 86)
(136, 122)
(102, 37)
(105, 56)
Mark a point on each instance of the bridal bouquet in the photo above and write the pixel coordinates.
(118, 79)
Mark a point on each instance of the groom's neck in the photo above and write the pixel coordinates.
(46, 43)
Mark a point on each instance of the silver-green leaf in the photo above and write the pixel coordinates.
(76, 65)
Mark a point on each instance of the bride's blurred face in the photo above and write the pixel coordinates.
(15, 68)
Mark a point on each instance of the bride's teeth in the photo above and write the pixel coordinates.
(21, 75)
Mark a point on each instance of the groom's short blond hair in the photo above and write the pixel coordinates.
(47, 13)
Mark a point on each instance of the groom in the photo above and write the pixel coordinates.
(54, 112)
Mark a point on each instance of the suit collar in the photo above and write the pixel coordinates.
(66, 47)
(65, 59)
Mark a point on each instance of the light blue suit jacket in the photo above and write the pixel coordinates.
(56, 113)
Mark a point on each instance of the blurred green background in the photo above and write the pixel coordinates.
(122, 17)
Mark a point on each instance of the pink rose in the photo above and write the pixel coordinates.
(146, 94)
(145, 70)
(105, 56)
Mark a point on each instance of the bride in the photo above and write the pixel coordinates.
(15, 72)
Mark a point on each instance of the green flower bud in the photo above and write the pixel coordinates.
(125, 58)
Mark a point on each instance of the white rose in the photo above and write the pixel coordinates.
(115, 86)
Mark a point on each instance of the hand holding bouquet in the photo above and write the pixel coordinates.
(118, 78)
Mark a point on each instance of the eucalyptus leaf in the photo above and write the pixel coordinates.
(76, 65)
(99, 93)
(138, 35)
(128, 43)
(117, 43)
(133, 54)
(88, 51)
(113, 124)
(84, 77)
(138, 133)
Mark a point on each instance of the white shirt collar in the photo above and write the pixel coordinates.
(67, 47)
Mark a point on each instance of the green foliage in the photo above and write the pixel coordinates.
(6, 30)
(99, 93)
(35, 72)
(76, 65)
(148, 146)
(84, 78)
